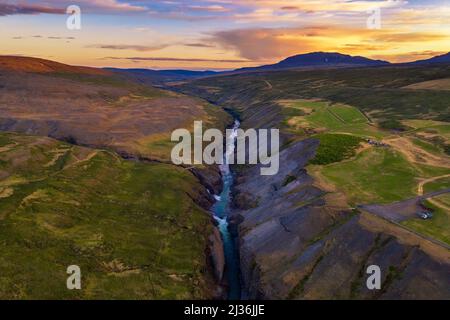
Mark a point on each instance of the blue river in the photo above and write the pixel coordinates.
(221, 211)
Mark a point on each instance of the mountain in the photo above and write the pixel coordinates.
(309, 60)
(149, 76)
(319, 59)
(445, 58)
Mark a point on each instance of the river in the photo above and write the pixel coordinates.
(221, 211)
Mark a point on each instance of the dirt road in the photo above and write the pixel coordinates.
(433, 201)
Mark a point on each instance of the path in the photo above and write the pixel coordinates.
(415, 154)
(269, 85)
(433, 201)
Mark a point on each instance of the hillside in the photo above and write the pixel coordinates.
(445, 58)
(29, 64)
(94, 107)
(377, 91)
(138, 230)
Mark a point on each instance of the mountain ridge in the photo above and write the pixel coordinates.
(444, 58)
(319, 59)
(150, 76)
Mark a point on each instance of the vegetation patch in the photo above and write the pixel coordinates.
(335, 148)
(393, 124)
(429, 147)
(288, 180)
(4, 140)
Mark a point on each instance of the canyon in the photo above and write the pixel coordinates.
(85, 172)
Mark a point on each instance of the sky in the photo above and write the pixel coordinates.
(222, 34)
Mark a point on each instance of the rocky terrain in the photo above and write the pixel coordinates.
(295, 244)
(299, 242)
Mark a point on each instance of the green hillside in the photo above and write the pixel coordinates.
(131, 227)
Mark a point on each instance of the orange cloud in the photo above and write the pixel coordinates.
(275, 43)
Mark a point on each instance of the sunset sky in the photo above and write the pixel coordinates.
(221, 34)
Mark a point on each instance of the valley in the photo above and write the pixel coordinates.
(205, 157)
(86, 178)
(302, 230)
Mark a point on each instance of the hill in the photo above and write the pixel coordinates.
(94, 107)
(319, 60)
(29, 64)
(445, 58)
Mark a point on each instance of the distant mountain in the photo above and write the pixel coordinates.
(152, 77)
(445, 58)
(319, 59)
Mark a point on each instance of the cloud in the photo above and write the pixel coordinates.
(177, 59)
(266, 44)
(39, 36)
(274, 43)
(144, 48)
(411, 37)
(199, 45)
(361, 47)
(212, 8)
(410, 56)
(129, 47)
(59, 7)
(60, 38)
(113, 5)
(267, 14)
(12, 9)
(325, 5)
(290, 8)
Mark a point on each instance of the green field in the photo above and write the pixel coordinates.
(334, 119)
(348, 114)
(436, 228)
(131, 227)
(440, 184)
(375, 175)
(439, 126)
(378, 174)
